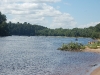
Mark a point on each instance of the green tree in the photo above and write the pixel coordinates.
(97, 27)
(2, 18)
(3, 25)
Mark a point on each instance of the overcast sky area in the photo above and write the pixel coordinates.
(53, 13)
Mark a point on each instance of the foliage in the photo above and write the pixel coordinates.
(28, 29)
(72, 47)
(79, 47)
(25, 28)
(94, 45)
(37, 30)
(3, 25)
(2, 18)
(98, 43)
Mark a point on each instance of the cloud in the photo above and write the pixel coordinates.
(36, 12)
(64, 20)
(34, 1)
(88, 25)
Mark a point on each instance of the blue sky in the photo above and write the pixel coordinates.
(53, 13)
(83, 11)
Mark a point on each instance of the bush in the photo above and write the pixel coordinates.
(72, 47)
(82, 47)
(64, 47)
(98, 43)
(94, 45)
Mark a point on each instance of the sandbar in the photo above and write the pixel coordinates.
(96, 71)
(92, 50)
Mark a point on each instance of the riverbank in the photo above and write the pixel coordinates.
(92, 50)
(96, 71)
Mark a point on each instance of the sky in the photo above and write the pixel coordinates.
(53, 14)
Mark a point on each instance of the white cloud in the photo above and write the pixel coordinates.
(64, 20)
(36, 1)
(36, 12)
(88, 25)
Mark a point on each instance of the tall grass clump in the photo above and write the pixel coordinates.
(72, 47)
(94, 45)
(98, 43)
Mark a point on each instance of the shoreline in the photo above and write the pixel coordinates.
(96, 71)
(92, 50)
(93, 70)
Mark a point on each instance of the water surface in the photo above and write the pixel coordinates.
(38, 55)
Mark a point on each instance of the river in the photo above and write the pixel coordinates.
(38, 55)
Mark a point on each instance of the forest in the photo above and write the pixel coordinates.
(27, 29)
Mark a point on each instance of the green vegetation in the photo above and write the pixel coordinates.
(3, 25)
(24, 29)
(94, 45)
(72, 47)
(27, 29)
(79, 47)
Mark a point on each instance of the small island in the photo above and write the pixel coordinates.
(74, 46)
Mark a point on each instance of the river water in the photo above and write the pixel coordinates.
(38, 55)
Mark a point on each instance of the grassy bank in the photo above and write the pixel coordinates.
(72, 46)
(94, 45)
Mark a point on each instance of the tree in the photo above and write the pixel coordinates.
(2, 18)
(97, 27)
(3, 25)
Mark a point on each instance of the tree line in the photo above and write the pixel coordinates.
(27, 29)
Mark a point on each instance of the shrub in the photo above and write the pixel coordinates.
(64, 47)
(72, 47)
(98, 43)
(82, 47)
(94, 45)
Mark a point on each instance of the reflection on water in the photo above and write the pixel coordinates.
(22, 55)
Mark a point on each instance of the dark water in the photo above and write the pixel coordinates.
(22, 55)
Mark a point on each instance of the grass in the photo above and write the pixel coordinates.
(72, 47)
(94, 45)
